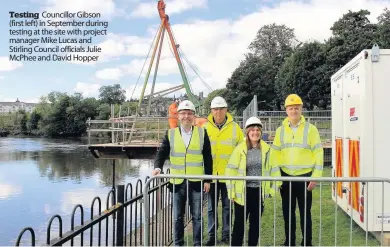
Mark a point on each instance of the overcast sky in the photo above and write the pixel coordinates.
(213, 35)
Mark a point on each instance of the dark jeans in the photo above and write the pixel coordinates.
(179, 202)
(221, 190)
(298, 192)
(253, 210)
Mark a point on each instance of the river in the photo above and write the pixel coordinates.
(42, 177)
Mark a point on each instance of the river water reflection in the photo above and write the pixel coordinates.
(42, 177)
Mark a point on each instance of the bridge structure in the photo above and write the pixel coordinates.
(127, 137)
(139, 137)
(132, 137)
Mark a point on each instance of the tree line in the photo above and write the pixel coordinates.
(276, 65)
(61, 115)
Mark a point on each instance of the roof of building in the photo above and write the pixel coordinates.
(17, 103)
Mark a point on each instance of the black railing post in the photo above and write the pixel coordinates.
(113, 174)
(120, 215)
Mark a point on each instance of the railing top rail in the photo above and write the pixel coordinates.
(265, 178)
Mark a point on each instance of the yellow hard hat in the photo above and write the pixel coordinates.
(293, 99)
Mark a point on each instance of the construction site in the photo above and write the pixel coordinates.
(350, 206)
(138, 134)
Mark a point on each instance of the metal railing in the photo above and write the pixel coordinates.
(119, 224)
(125, 222)
(321, 119)
(335, 218)
(127, 130)
(271, 120)
(250, 110)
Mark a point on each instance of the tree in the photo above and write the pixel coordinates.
(55, 96)
(272, 41)
(254, 76)
(303, 74)
(23, 121)
(55, 122)
(78, 111)
(103, 111)
(32, 123)
(351, 34)
(112, 94)
(257, 73)
(384, 29)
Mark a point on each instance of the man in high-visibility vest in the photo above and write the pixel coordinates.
(189, 151)
(299, 153)
(225, 134)
(172, 114)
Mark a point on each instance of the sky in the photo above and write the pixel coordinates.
(213, 35)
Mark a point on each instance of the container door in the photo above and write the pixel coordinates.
(338, 136)
(352, 140)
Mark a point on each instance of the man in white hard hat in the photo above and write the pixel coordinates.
(225, 134)
(189, 151)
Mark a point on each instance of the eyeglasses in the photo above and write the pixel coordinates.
(186, 113)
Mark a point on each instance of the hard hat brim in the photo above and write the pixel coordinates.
(254, 124)
(185, 110)
(297, 104)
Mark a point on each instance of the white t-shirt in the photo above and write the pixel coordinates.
(186, 136)
(294, 128)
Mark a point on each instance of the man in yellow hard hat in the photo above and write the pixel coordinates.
(299, 153)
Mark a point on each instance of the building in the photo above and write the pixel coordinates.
(9, 107)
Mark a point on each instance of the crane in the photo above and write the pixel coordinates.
(165, 27)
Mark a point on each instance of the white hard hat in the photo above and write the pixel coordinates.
(218, 102)
(253, 121)
(186, 105)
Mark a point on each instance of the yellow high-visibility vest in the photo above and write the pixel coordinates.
(186, 161)
(223, 142)
(299, 152)
(237, 167)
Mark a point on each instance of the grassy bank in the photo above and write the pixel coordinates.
(324, 222)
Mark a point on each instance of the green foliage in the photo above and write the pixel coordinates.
(112, 94)
(303, 74)
(32, 124)
(384, 29)
(15, 123)
(254, 75)
(61, 115)
(278, 64)
(328, 225)
(272, 40)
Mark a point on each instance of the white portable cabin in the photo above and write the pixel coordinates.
(361, 137)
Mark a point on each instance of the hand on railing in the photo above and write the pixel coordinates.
(156, 172)
(206, 187)
(311, 186)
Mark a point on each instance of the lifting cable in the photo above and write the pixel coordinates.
(201, 79)
(184, 68)
(189, 64)
(173, 54)
(151, 45)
